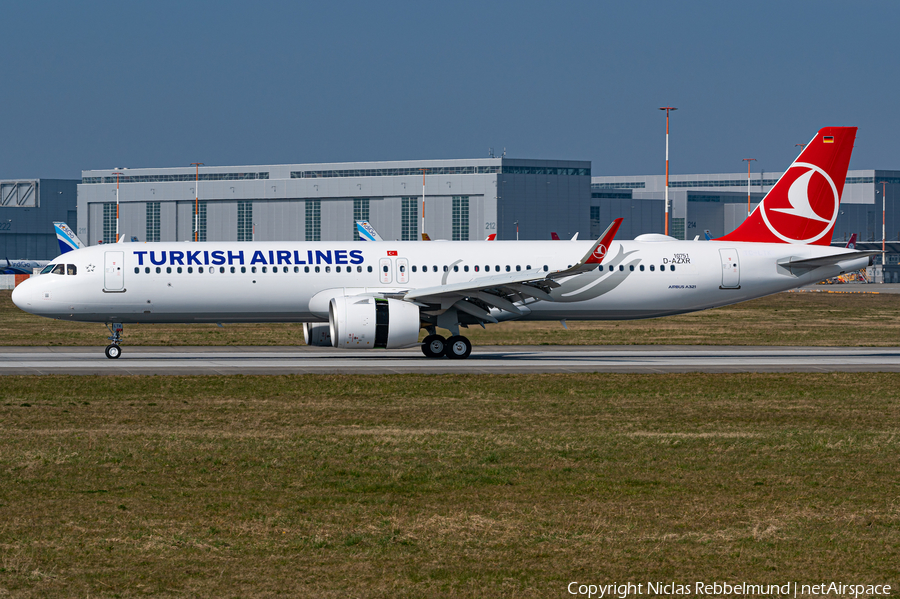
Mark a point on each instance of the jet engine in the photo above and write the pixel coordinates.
(365, 322)
(317, 334)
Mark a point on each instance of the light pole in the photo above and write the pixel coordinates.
(667, 109)
(883, 237)
(117, 205)
(748, 160)
(424, 170)
(197, 202)
(516, 223)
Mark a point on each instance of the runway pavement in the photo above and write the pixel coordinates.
(484, 360)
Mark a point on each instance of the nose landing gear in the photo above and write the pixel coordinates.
(113, 350)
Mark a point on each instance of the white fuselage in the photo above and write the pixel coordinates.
(294, 281)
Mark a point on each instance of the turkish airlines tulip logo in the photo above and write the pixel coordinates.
(801, 222)
(599, 252)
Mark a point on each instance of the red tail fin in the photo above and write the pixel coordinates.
(803, 205)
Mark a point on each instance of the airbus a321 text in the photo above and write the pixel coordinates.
(381, 294)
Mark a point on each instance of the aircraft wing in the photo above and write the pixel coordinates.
(504, 291)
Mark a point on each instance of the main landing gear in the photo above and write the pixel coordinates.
(113, 350)
(456, 347)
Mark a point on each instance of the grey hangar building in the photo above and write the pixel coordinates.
(464, 200)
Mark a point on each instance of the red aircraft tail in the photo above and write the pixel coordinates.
(803, 205)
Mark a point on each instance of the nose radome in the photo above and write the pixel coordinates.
(21, 295)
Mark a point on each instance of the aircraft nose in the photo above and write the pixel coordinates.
(21, 295)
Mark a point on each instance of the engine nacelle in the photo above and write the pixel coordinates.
(317, 334)
(365, 322)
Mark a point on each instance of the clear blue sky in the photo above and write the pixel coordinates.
(159, 84)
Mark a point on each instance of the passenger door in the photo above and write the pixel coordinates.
(731, 269)
(114, 271)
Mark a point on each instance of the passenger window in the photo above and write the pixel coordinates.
(200, 269)
(284, 269)
(59, 269)
(71, 269)
(147, 269)
(621, 267)
(368, 268)
(403, 268)
(359, 269)
(507, 268)
(652, 268)
(631, 267)
(264, 269)
(497, 267)
(434, 268)
(243, 269)
(48, 268)
(337, 269)
(662, 267)
(327, 269)
(528, 267)
(317, 269)
(305, 269)
(672, 267)
(611, 267)
(137, 269)
(445, 268)
(384, 268)
(179, 270)
(466, 268)
(518, 268)
(546, 268)
(233, 270)
(252, 269)
(296, 269)
(190, 269)
(414, 268)
(168, 270)
(642, 268)
(158, 270)
(456, 268)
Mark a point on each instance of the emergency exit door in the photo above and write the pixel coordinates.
(731, 269)
(114, 271)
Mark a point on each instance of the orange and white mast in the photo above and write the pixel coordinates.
(667, 109)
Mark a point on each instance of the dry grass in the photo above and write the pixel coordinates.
(443, 486)
(783, 319)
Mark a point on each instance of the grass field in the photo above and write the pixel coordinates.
(783, 319)
(444, 486)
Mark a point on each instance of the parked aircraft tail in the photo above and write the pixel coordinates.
(803, 206)
(367, 232)
(67, 238)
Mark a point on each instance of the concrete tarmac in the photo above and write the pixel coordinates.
(484, 360)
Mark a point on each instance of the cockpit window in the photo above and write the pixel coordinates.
(71, 269)
(48, 268)
(59, 269)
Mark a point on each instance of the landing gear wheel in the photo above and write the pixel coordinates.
(113, 351)
(458, 348)
(434, 346)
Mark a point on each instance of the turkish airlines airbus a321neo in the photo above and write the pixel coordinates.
(380, 294)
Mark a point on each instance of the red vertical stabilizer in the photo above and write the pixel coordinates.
(804, 204)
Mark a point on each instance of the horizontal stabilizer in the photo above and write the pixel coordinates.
(828, 260)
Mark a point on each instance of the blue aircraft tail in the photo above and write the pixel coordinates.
(67, 238)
